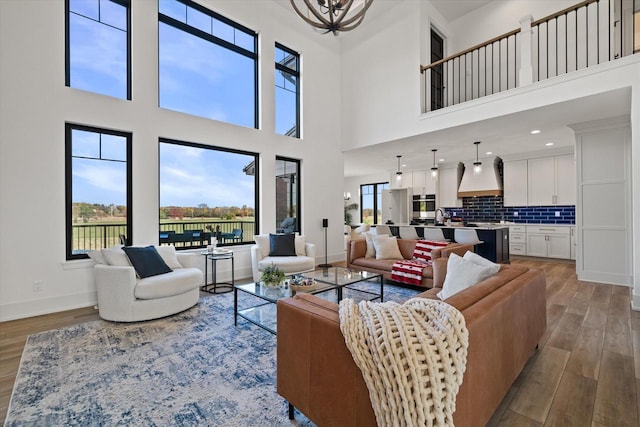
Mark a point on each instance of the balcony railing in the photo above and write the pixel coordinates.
(583, 35)
(186, 234)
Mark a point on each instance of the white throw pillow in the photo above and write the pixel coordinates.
(169, 256)
(362, 229)
(387, 247)
(116, 256)
(264, 244)
(462, 274)
(299, 243)
(371, 250)
(97, 257)
(477, 259)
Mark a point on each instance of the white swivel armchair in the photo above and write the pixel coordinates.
(303, 261)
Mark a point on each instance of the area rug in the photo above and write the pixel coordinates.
(192, 369)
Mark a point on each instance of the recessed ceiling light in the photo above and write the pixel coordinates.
(535, 131)
(489, 153)
(549, 144)
(404, 165)
(441, 160)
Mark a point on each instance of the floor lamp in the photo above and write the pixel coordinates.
(325, 224)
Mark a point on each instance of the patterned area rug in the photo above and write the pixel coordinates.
(194, 368)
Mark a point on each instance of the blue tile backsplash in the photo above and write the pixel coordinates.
(491, 209)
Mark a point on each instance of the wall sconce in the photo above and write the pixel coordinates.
(347, 195)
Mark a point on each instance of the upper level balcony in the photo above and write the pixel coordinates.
(581, 36)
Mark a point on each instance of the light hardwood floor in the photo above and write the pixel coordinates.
(586, 371)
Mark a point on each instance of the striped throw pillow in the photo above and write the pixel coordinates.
(422, 251)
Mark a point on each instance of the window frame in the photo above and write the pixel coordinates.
(298, 189)
(256, 178)
(376, 208)
(296, 73)
(69, 128)
(67, 71)
(165, 19)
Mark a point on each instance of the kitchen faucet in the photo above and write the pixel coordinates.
(441, 215)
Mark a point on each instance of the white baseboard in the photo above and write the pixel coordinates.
(21, 310)
(608, 278)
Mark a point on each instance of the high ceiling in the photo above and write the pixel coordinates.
(503, 136)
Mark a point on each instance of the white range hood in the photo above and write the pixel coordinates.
(487, 182)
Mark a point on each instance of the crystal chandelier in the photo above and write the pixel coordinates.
(332, 15)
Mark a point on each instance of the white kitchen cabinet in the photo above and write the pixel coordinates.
(400, 181)
(448, 182)
(548, 241)
(423, 183)
(515, 183)
(396, 205)
(517, 240)
(565, 180)
(551, 181)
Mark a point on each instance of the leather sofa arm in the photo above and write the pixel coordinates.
(315, 368)
(456, 248)
(356, 249)
(439, 271)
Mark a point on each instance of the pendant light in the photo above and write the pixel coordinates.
(399, 171)
(477, 165)
(434, 169)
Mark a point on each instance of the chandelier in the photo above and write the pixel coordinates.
(333, 15)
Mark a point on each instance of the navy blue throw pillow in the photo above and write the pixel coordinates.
(282, 245)
(146, 261)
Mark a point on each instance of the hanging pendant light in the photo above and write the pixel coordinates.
(434, 169)
(399, 171)
(332, 16)
(477, 165)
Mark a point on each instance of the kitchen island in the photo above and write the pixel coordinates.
(495, 238)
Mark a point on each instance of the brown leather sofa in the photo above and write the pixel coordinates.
(505, 315)
(356, 250)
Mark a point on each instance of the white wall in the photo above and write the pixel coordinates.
(35, 105)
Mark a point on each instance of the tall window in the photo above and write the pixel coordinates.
(208, 64)
(371, 202)
(287, 195)
(437, 76)
(98, 185)
(206, 193)
(98, 46)
(287, 91)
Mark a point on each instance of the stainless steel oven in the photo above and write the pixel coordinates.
(424, 206)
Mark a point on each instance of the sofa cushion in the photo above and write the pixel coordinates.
(116, 256)
(300, 245)
(97, 257)
(282, 245)
(386, 247)
(166, 285)
(477, 259)
(262, 240)
(169, 255)
(371, 250)
(290, 264)
(462, 274)
(146, 261)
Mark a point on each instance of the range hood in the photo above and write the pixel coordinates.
(488, 182)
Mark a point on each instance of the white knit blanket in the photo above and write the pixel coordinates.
(412, 357)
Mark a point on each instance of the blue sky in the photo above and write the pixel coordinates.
(196, 77)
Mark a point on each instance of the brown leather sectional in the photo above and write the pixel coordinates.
(356, 250)
(505, 315)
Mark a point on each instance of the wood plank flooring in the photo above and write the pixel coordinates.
(585, 373)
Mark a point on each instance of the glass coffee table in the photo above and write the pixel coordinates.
(333, 284)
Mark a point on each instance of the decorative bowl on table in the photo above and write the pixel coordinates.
(302, 284)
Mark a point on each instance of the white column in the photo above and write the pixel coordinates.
(526, 69)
